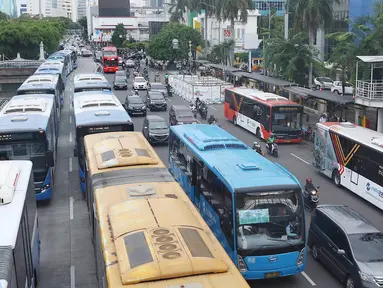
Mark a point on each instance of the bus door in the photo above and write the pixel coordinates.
(197, 181)
(320, 147)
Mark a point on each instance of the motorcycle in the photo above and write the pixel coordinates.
(273, 151)
(202, 109)
(257, 148)
(193, 109)
(311, 198)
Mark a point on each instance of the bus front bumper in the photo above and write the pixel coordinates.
(275, 273)
(44, 194)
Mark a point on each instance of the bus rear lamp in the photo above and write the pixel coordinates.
(241, 264)
(301, 257)
(82, 180)
(45, 187)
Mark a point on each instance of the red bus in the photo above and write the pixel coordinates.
(110, 59)
(262, 113)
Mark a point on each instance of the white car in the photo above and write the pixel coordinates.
(140, 83)
(337, 88)
(323, 82)
(130, 63)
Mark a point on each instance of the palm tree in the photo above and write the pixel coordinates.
(313, 14)
(221, 52)
(178, 8)
(232, 10)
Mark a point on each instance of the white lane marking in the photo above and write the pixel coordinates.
(70, 137)
(212, 108)
(70, 119)
(308, 279)
(70, 164)
(71, 208)
(299, 158)
(71, 105)
(72, 277)
(169, 100)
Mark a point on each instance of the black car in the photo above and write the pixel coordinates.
(134, 105)
(348, 245)
(120, 82)
(159, 87)
(155, 129)
(156, 101)
(181, 114)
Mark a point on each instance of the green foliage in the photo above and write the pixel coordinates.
(220, 54)
(116, 39)
(136, 45)
(83, 22)
(3, 16)
(160, 48)
(24, 35)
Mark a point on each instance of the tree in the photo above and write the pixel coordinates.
(177, 9)
(232, 10)
(119, 35)
(289, 59)
(160, 47)
(25, 35)
(83, 22)
(343, 54)
(220, 53)
(313, 14)
(3, 16)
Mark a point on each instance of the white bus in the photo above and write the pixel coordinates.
(19, 236)
(352, 156)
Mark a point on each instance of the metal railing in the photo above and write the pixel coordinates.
(21, 64)
(369, 90)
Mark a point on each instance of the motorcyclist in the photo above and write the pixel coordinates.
(270, 142)
(166, 78)
(99, 68)
(197, 102)
(211, 119)
(257, 147)
(136, 92)
(157, 77)
(145, 71)
(309, 185)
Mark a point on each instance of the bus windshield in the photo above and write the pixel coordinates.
(40, 91)
(85, 89)
(110, 63)
(286, 119)
(25, 150)
(269, 220)
(109, 53)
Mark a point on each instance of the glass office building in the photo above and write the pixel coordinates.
(265, 6)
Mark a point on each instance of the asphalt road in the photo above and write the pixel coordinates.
(67, 258)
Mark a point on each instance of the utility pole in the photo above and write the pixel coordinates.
(40, 10)
(286, 26)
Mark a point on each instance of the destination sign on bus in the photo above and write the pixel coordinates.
(92, 89)
(16, 136)
(101, 129)
(288, 109)
(37, 92)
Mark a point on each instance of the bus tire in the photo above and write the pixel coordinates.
(258, 133)
(235, 121)
(336, 178)
(35, 277)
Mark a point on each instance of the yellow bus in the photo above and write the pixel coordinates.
(146, 232)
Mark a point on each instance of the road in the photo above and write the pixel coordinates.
(67, 258)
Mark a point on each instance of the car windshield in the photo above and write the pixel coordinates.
(269, 219)
(139, 79)
(286, 119)
(120, 73)
(156, 96)
(367, 247)
(120, 79)
(325, 79)
(34, 151)
(156, 125)
(157, 86)
(135, 100)
(184, 114)
(109, 53)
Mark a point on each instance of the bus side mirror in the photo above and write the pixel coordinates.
(75, 153)
(50, 158)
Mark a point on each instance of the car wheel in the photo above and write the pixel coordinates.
(318, 87)
(315, 252)
(336, 178)
(349, 282)
(336, 92)
(144, 114)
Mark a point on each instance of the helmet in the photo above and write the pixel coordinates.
(197, 98)
(309, 180)
(272, 135)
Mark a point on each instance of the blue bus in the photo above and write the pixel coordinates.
(44, 84)
(91, 85)
(19, 237)
(96, 112)
(63, 59)
(253, 206)
(69, 57)
(29, 131)
(52, 68)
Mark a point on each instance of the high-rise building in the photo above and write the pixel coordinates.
(81, 8)
(114, 8)
(49, 8)
(9, 7)
(156, 3)
(266, 6)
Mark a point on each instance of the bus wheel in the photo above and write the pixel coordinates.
(35, 277)
(336, 178)
(258, 133)
(235, 121)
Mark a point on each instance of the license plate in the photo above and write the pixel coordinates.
(272, 275)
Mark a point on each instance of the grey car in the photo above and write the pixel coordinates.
(134, 105)
(155, 129)
(348, 245)
(159, 87)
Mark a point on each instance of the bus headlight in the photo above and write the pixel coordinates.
(241, 264)
(45, 187)
(301, 257)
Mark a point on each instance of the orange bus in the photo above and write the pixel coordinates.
(264, 113)
(110, 59)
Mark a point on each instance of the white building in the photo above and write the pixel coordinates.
(81, 8)
(245, 34)
(49, 8)
(137, 27)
